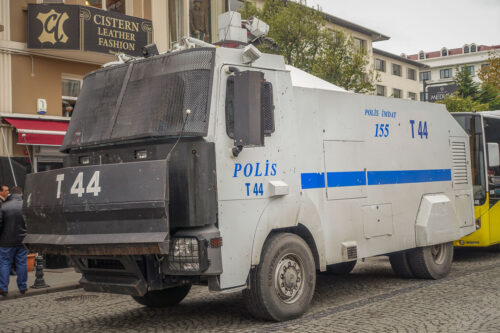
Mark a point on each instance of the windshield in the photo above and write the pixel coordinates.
(473, 126)
(144, 98)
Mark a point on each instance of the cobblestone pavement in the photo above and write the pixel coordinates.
(371, 299)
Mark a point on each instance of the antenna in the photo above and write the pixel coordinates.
(188, 112)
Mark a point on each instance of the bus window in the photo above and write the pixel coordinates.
(472, 125)
(492, 134)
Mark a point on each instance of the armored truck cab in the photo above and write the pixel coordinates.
(204, 166)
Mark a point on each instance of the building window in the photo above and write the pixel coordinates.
(199, 19)
(466, 49)
(176, 19)
(421, 55)
(117, 6)
(380, 65)
(380, 90)
(470, 69)
(360, 44)
(412, 96)
(412, 74)
(396, 69)
(473, 48)
(425, 76)
(446, 73)
(444, 52)
(396, 93)
(70, 92)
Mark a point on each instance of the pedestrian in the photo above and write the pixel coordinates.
(4, 194)
(12, 233)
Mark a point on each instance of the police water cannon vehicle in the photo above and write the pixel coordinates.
(224, 166)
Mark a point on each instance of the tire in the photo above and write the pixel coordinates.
(282, 285)
(342, 268)
(163, 298)
(431, 262)
(400, 265)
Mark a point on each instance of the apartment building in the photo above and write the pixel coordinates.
(398, 75)
(48, 46)
(442, 65)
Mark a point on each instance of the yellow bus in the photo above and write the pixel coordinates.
(484, 135)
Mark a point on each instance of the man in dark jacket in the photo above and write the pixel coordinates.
(12, 233)
(4, 194)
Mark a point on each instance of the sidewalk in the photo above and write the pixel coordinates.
(58, 280)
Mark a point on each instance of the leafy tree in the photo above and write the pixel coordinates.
(345, 65)
(467, 87)
(489, 95)
(306, 43)
(490, 74)
(456, 103)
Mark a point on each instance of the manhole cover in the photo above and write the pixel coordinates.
(77, 298)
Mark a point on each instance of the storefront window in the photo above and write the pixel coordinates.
(176, 19)
(94, 3)
(70, 92)
(111, 5)
(199, 19)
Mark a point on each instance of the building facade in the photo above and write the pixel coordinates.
(44, 58)
(398, 75)
(443, 64)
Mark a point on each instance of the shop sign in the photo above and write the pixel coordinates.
(439, 93)
(72, 27)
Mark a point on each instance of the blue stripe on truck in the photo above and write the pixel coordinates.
(350, 178)
(359, 178)
(312, 180)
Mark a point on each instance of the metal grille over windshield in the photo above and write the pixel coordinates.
(144, 98)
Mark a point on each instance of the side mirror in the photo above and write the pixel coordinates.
(493, 155)
(248, 111)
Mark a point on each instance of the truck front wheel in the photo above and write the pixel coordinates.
(163, 298)
(282, 285)
(431, 262)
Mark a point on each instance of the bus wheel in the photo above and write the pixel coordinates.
(163, 298)
(342, 268)
(400, 264)
(431, 262)
(282, 285)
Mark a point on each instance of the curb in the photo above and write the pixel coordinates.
(34, 292)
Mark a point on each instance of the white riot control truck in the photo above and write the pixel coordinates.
(223, 166)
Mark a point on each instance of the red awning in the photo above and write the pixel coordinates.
(39, 132)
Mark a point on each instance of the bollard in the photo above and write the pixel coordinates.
(39, 281)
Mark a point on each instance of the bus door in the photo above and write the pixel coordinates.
(492, 139)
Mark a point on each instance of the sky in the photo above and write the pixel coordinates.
(426, 25)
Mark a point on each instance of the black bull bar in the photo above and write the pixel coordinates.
(113, 209)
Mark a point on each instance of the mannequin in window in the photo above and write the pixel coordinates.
(198, 22)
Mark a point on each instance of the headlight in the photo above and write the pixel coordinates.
(186, 255)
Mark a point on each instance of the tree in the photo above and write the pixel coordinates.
(345, 65)
(490, 74)
(306, 43)
(466, 85)
(456, 103)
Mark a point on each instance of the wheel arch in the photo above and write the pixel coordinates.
(306, 224)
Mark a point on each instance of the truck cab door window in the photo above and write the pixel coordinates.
(267, 106)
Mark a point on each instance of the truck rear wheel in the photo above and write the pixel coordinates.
(282, 285)
(431, 262)
(342, 268)
(400, 264)
(163, 298)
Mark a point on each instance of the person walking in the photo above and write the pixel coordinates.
(12, 233)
